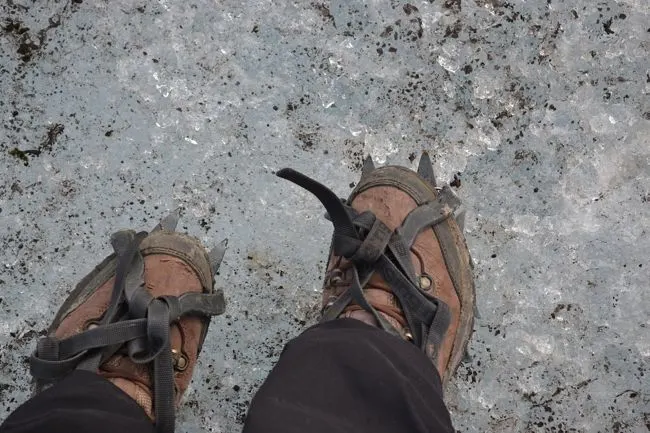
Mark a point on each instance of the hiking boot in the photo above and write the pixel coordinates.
(399, 259)
(138, 319)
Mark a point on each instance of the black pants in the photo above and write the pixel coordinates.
(340, 376)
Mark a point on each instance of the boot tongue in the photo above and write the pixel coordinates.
(357, 313)
(133, 379)
(137, 391)
(120, 366)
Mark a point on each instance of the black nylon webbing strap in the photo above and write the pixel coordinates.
(429, 214)
(107, 335)
(402, 255)
(356, 292)
(373, 245)
(192, 304)
(135, 319)
(46, 369)
(125, 243)
(334, 310)
(158, 321)
(437, 330)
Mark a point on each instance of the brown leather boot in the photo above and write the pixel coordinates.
(399, 259)
(139, 319)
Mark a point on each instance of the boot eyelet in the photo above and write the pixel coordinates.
(425, 282)
(91, 324)
(180, 361)
(334, 277)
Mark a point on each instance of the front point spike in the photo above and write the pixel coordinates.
(425, 169)
(467, 358)
(368, 167)
(170, 222)
(215, 255)
(460, 219)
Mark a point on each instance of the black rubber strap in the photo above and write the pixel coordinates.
(202, 304)
(343, 227)
(429, 214)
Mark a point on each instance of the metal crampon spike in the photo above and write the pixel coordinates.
(368, 167)
(467, 358)
(216, 255)
(460, 219)
(425, 169)
(170, 222)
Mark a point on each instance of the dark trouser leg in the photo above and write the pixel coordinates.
(346, 376)
(82, 402)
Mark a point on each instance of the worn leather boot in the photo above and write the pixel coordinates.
(138, 319)
(399, 259)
